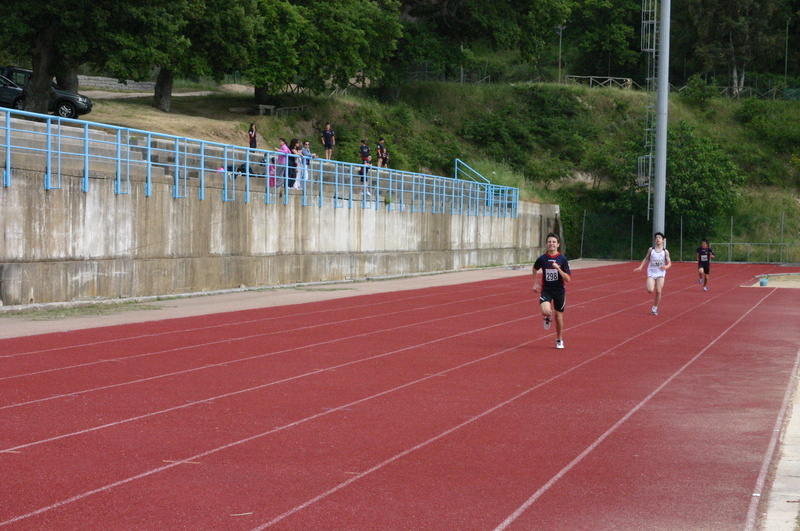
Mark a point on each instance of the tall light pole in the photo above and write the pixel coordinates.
(662, 109)
(560, 29)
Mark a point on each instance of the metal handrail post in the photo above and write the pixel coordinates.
(85, 183)
(7, 169)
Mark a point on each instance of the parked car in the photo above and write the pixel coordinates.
(62, 103)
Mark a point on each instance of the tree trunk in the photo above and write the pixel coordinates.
(737, 80)
(162, 99)
(67, 78)
(261, 95)
(67, 74)
(740, 82)
(43, 59)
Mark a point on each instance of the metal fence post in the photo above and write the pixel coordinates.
(583, 230)
(730, 246)
(632, 217)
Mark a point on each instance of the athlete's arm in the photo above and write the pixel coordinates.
(561, 272)
(646, 258)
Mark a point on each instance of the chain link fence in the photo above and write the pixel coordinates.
(619, 237)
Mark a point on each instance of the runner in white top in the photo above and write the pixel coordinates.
(658, 261)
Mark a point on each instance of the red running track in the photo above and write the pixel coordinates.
(437, 409)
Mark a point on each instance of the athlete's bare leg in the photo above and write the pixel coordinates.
(659, 285)
(559, 324)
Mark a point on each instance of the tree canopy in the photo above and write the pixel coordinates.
(319, 45)
(59, 35)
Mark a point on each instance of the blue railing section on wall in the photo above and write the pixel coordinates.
(67, 146)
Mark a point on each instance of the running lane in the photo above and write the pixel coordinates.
(443, 409)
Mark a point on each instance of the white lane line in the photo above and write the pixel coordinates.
(239, 338)
(224, 325)
(327, 412)
(752, 512)
(544, 488)
(198, 457)
(243, 338)
(472, 419)
(284, 380)
(255, 388)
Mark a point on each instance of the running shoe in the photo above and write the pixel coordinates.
(559, 343)
(699, 280)
(705, 288)
(654, 311)
(547, 323)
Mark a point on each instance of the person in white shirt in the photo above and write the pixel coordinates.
(658, 261)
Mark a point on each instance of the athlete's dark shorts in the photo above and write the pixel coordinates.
(705, 266)
(559, 300)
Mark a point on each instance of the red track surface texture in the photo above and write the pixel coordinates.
(437, 409)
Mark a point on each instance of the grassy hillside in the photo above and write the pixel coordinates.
(574, 145)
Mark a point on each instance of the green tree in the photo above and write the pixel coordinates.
(315, 45)
(735, 33)
(702, 182)
(346, 41)
(606, 37)
(697, 92)
(439, 33)
(220, 34)
(59, 35)
(274, 58)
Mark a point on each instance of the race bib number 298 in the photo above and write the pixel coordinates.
(550, 274)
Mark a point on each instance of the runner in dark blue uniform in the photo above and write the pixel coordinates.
(553, 298)
(704, 256)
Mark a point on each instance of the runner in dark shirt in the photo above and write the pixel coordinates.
(555, 272)
(704, 256)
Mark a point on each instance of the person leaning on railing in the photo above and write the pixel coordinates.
(294, 162)
(305, 168)
(282, 167)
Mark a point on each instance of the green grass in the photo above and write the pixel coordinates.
(52, 314)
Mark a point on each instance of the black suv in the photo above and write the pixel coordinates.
(62, 103)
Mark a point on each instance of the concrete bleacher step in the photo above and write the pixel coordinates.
(75, 164)
(68, 144)
(30, 141)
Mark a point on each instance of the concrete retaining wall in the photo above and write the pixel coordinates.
(66, 245)
(108, 83)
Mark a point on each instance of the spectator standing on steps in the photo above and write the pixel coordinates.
(383, 155)
(253, 136)
(328, 140)
(282, 161)
(364, 151)
(294, 162)
(308, 156)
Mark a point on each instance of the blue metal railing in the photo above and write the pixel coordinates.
(486, 199)
(61, 146)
